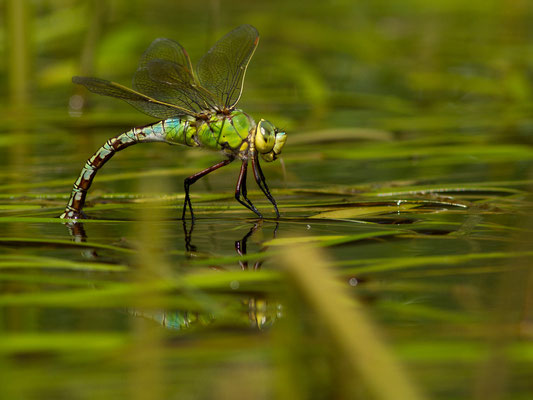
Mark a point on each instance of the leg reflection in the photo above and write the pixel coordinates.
(188, 236)
(256, 308)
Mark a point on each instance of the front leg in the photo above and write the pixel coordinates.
(261, 182)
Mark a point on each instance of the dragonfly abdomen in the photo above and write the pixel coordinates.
(97, 161)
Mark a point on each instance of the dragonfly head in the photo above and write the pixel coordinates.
(269, 140)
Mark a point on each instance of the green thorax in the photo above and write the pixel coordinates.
(217, 132)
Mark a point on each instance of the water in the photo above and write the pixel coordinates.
(440, 260)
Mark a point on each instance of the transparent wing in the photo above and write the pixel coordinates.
(221, 71)
(146, 104)
(166, 49)
(165, 74)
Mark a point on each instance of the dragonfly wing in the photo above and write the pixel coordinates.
(165, 74)
(221, 71)
(166, 49)
(153, 107)
(172, 83)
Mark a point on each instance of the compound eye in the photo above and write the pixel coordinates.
(266, 137)
(267, 129)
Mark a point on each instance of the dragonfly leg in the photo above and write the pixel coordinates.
(261, 182)
(240, 190)
(244, 190)
(193, 178)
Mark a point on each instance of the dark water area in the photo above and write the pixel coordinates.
(402, 258)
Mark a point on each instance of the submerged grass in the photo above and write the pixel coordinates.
(136, 296)
(346, 321)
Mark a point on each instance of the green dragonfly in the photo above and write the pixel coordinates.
(196, 108)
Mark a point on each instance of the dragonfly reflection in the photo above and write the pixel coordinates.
(260, 310)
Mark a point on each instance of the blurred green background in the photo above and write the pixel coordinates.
(407, 174)
(401, 65)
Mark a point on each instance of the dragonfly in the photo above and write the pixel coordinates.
(196, 107)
